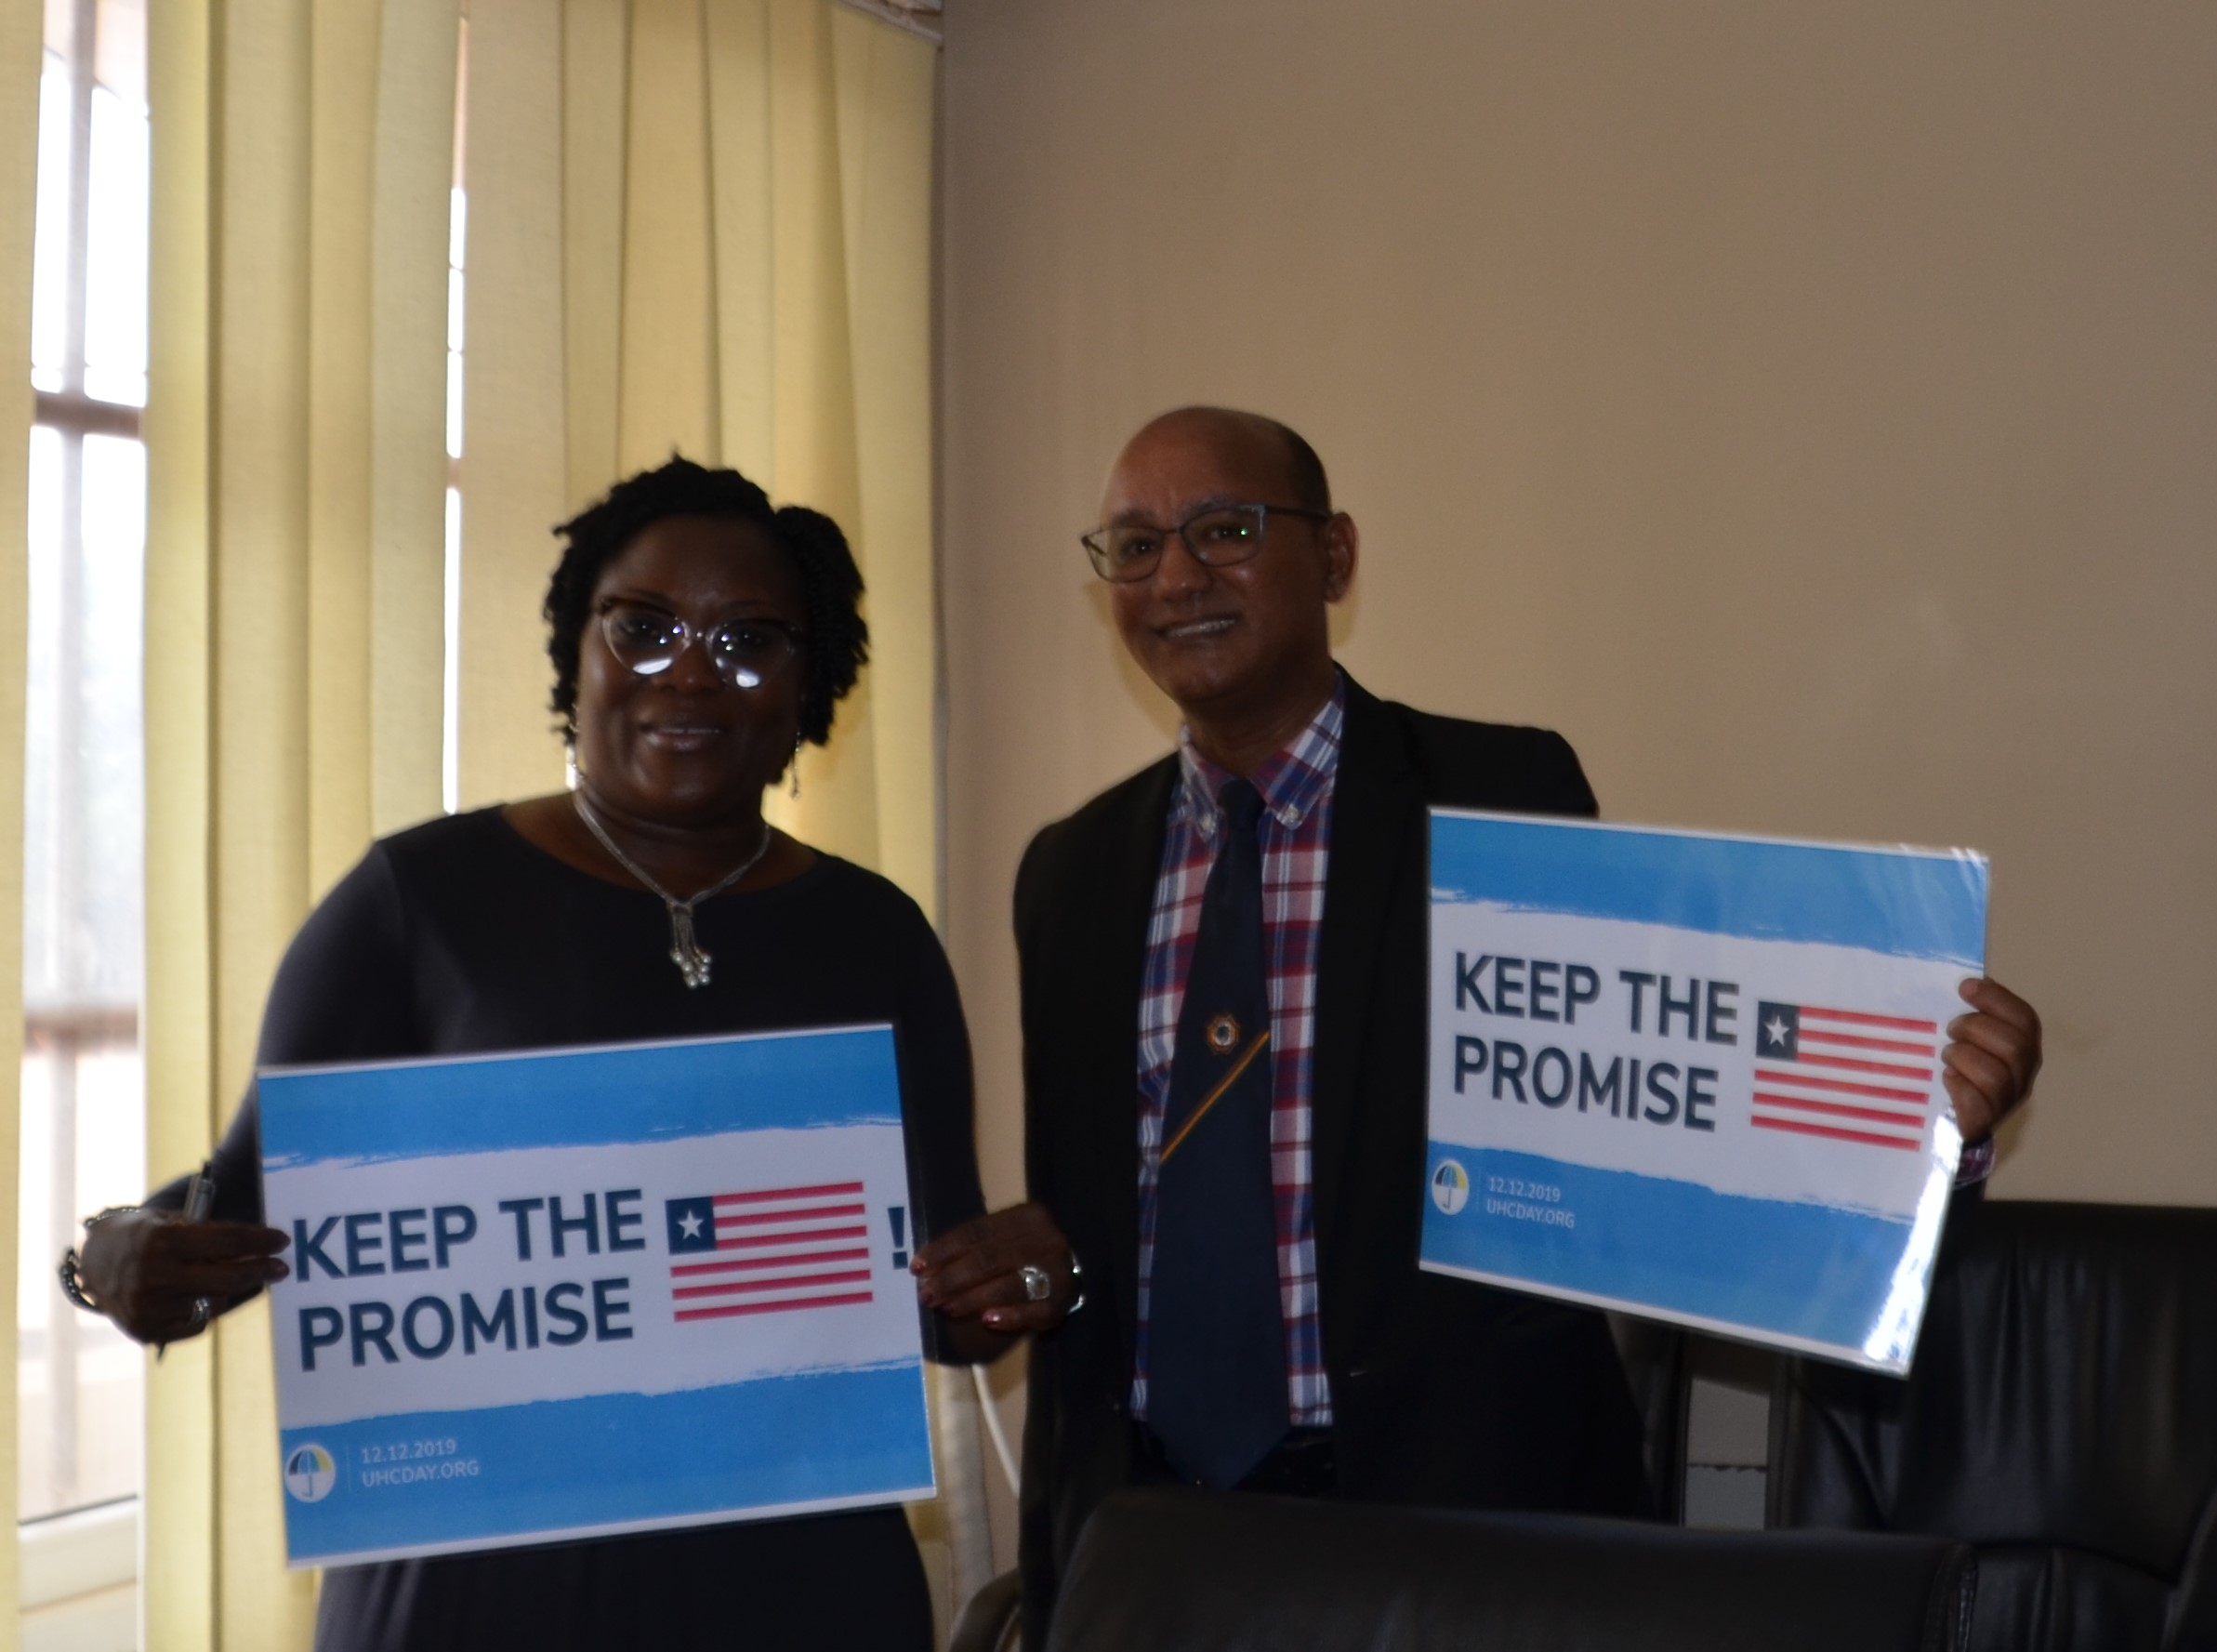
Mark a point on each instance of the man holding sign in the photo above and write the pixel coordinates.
(1224, 967)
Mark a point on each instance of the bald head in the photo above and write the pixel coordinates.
(1256, 439)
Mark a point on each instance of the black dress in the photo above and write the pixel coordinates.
(460, 936)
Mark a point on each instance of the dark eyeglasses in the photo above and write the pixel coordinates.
(1219, 536)
(745, 653)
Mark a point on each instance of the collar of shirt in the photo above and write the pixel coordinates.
(1292, 783)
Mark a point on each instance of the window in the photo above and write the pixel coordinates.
(78, 1380)
(458, 226)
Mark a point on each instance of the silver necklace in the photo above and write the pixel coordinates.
(687, 953)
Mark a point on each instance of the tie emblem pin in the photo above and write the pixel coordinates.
(1223, 1035)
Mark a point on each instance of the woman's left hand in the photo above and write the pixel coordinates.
(977, 1271)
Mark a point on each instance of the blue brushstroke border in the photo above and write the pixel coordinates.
(594, 1096)
(555, 1468)
(1813, 1274)
(1905, 903)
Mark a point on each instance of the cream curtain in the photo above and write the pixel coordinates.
(706, 226)
(20, 36)
(295, 496)
(694, 226)
(297, 470)
(736, 197)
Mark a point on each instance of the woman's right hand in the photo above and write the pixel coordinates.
(147, 1269)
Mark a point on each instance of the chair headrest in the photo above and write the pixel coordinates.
(2064, 1392)
(1176, 1570)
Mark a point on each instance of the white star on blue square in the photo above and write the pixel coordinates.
(692, 1224)
(1778, 1031)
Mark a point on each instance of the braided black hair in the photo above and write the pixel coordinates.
(831, 585)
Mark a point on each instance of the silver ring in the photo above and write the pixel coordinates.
(202, 1311)
(1037, 1287)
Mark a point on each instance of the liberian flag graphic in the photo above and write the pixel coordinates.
(1844, 1076)
(769, 1250)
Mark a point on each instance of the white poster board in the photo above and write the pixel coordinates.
(551, 1295)
(1696, 1077)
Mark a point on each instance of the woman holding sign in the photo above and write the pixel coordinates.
(699, 637)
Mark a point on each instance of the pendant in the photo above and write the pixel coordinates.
(693, 962)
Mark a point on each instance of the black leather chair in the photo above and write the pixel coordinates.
(1657, 1368)
(2060, 1416)
(1169, 1569)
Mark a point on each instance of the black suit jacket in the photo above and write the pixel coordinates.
(1444, 1393)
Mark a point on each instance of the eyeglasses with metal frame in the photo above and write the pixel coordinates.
(1218, 535)
(746, 653)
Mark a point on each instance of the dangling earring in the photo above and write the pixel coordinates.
(796, 765)
(569, 769)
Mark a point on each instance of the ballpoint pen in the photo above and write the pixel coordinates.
(199, 1198)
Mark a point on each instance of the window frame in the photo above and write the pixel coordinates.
(78, 1565)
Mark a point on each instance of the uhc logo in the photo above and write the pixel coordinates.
(310, 1473)
(1450, 1186)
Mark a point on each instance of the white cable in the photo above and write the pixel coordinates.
(993, 1427)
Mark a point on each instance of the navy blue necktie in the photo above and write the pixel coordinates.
(1216, 1333)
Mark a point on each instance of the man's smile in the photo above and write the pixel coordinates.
(1187, 630)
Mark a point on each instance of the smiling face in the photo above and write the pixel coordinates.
(683, 747)
(1226, 641)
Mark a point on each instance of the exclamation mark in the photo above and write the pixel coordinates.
(900, 1244)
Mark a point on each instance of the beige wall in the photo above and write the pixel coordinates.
(1812, 411)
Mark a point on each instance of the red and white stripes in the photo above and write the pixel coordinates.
(780, 1249)
(1852, 1078)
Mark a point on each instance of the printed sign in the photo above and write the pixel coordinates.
(1696, 1077)
(546, 1296)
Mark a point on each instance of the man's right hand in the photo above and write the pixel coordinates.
(147, 1269)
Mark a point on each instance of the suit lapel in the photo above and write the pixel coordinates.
(1112, 977)
(1377, 797)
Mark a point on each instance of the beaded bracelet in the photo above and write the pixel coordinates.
(72, 1279)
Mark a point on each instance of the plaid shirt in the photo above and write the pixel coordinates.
(1296, 827)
